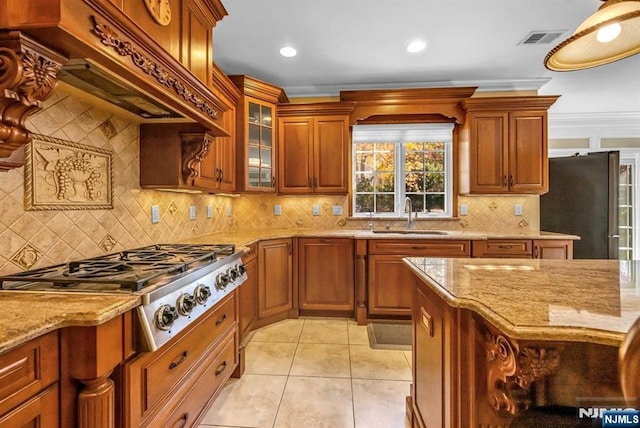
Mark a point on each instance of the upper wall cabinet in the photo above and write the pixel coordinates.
(256, 139)
(314, 148)
(503, 145)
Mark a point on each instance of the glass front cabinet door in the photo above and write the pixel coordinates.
(256, 148)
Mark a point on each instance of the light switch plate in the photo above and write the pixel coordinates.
(518, 209)
(277, 210)
(209, 211)
(192, 212)
(229, 211)
(315, 210)
(337, 210)
(463, 209)
(155, 214)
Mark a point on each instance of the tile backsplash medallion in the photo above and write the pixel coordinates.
(32, 239)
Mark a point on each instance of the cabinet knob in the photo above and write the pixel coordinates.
(504, 181)
(511, 181)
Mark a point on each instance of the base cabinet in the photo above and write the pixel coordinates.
(523, 248)
(325, 275)
(173, 385)
(248, 293)
(29, 384)
(390, 280)
(275, 278)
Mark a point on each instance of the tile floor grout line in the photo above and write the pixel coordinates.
(288, 375)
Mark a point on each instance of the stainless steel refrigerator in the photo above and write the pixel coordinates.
(583, 200)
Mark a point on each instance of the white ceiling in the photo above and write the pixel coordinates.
(360, 44)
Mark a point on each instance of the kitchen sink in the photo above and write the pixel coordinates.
(413, 232)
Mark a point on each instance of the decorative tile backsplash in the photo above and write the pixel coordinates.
(32, 239)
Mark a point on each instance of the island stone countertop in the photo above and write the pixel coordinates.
(27, 315)
(591, 301)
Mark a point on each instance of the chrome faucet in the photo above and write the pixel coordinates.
(410, 221)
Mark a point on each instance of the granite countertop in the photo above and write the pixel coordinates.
(27, 315)
(593, 301)
(31, 314)
(244, 238)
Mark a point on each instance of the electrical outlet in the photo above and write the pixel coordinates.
(209, 211)
(155, 214)
(229, 211)
(315, 210)
(277, 210)
(463, 209)
(337, 210)
(192, 212)
(518, 209)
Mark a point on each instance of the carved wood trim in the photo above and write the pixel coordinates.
(512, 369)
(195, 146)
(110, 38)
(422, 101)
(96, 403)
(28, 76)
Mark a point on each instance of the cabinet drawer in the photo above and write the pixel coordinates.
(41, 411)
(28, 369)
(201, 387)
(420, 247)
(502, 248)
(162, 374)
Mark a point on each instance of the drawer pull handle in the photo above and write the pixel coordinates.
(221, 368)
(505, 247)
(175, 364)
(184, 418)
(221, 319)
(426, 321)
(416, 247)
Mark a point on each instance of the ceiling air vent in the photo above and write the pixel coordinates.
(541, 37)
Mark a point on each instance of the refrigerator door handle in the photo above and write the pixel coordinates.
(615, 235)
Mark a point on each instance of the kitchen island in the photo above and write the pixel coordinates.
(495, 336)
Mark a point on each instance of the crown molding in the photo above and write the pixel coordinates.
(581, 125)
(482, 85)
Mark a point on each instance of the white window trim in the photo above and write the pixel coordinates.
(400, 134)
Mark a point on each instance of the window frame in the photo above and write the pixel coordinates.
(435, 132)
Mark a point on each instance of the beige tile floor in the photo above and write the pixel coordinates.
(313, 373)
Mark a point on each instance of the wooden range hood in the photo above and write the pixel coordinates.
(167, 60)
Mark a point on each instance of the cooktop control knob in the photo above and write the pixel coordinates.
(201, 293)
(222, 280)
(232, 272)
(185, 303)
(165, 316)
(241, 269)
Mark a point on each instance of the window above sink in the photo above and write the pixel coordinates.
(394, 162)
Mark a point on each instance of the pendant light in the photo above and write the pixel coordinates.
(610, 34)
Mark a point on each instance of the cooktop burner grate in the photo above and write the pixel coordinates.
(131, 269)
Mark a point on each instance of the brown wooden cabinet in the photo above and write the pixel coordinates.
(29, 383)
(523, 248)
(275, 278)
(552, 249)
(390, 280)
(326, 275)
(248, 292)
(314, 144)
(256, 140)
(504, 145)
(433, 328)
(187, 157)
(173, 385)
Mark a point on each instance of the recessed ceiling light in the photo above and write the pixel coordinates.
(416, 46)
(288, 52)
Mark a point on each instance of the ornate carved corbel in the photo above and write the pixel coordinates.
(28, 76)
(511, 371)
(195, 146)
